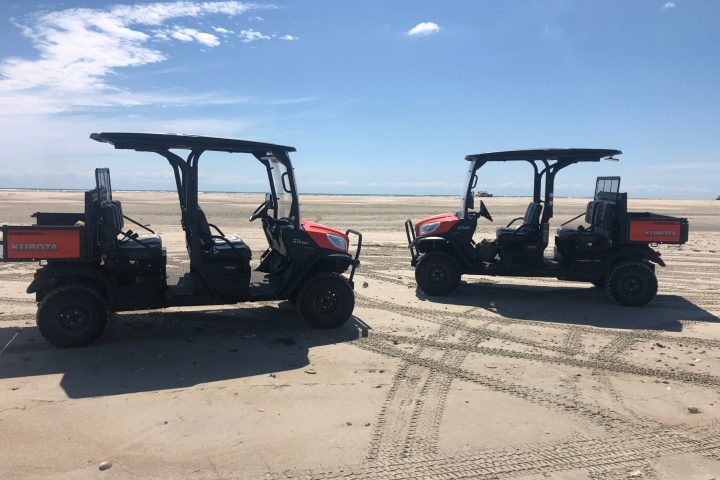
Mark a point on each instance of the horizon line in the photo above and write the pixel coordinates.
(39, 189)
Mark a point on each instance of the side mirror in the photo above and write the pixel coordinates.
(484, 211)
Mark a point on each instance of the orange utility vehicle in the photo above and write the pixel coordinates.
(614, 251)
(92, 264)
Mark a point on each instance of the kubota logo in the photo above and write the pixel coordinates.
(34, 247)
(660, 233)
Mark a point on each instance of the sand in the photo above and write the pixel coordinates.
(505, 378)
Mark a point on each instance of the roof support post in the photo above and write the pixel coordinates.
(552, 170)
(295, 206)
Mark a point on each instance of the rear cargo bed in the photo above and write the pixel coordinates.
(41, 242)
(645, 227)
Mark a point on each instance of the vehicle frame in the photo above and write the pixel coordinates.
(125, 270)
(591, 258)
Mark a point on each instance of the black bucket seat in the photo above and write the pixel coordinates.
(525, 232)
(220, 247)
(127, 245)
(600, 214)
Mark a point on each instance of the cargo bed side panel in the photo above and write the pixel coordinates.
(31, 243)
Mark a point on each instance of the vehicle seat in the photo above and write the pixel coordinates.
(600, 214)
(220, 248)
(530, 226)
(136, 246)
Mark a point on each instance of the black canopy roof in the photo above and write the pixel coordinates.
(165, 141)
(577, 154)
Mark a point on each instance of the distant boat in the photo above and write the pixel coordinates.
(486, 194)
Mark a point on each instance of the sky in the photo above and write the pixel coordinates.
(377, 96)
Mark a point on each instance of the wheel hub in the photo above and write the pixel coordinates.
(438, 275)
(326, 301)
(74, 318)
(631, 286)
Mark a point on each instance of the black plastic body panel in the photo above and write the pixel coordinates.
(51, 218)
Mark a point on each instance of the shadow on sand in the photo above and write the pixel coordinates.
(576, 304)
(166, 350)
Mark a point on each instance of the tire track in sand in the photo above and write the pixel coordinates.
(601, 457)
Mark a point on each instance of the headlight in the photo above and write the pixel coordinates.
(338, 242)
(429, 228)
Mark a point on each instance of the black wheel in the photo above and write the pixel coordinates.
(599, 283)
(326, 300)
(72, 316)
(437, 273)
(632, 283)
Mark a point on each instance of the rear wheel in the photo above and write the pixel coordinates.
(326, 300)
(632, 284)
(72, 316)
(437, 273)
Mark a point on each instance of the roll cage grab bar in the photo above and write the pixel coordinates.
(541, 167)
(186, 181)
(185, 170)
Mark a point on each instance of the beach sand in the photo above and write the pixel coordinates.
(505, 378)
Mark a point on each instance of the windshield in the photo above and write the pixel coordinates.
(282, 187)
(468, 202)
(606, 186)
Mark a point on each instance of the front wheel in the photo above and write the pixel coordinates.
(72, 316)
(437, 273)
(326, 300)
(632, 284)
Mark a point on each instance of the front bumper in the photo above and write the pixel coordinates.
(410, 233)
(356, 259)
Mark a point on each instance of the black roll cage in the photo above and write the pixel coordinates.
(545, 162)
(186, 169)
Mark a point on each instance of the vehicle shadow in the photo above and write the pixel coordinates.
(573, 304)
(144, 352)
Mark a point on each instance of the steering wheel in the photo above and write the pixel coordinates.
(260, 211)
(483, 211)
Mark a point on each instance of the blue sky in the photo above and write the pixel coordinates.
(378, 97)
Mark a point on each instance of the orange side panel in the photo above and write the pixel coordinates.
(42, 244)
(654, 231)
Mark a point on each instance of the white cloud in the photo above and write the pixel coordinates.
(328, 183)
(668, 5)
(691, 166)
(511, 185)
(222, 31)
(289, 38)
(290, 101)
(661, 190)
(423, 29)
(207, 39)
(251, 35)
(79, 47)
(73, 156)
(184, 34)
(391, 186)
(47, 101)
